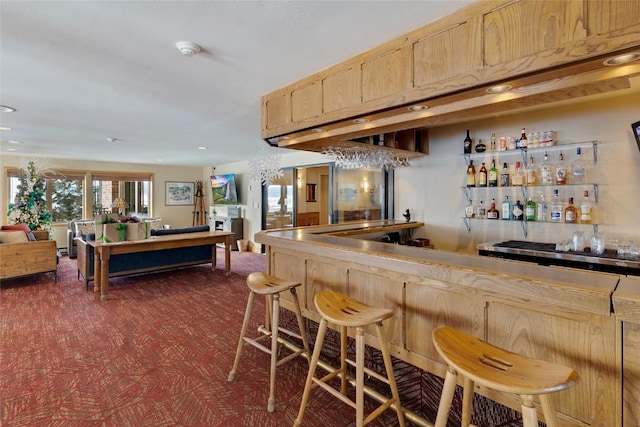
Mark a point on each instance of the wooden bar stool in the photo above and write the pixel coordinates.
(346, 312)
(263, 284)
(490, 366)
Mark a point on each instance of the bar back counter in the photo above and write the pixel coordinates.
(586, 320)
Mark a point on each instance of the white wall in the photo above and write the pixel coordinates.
(431, 188)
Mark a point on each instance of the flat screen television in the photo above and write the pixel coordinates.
(636, 132)
(224, 189)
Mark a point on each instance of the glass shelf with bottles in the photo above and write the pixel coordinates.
(527, 152)
(557, 209)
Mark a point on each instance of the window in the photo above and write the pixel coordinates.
(66, 193)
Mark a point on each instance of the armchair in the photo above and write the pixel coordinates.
(77, 228)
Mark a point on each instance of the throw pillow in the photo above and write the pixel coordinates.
(13, 236)
(85, 227)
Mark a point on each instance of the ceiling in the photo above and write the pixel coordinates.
(81, 72)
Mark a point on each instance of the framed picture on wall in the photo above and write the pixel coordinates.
(178, 193)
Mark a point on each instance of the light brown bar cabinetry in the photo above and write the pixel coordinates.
(626, 305)
(557, 314)
(483, 43)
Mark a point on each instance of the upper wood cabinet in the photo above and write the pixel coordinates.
(452, 58)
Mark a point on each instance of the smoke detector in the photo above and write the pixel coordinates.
(188, 48)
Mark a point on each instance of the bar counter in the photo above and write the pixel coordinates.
(559, 314)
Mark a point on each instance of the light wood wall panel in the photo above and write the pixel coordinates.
(380, 291)
(278, 110)
(631, 366)
(323, 275)
(563, 339)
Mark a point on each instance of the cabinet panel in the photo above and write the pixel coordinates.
(341, 90)
(527, 28)
(427, 307)
(306, 102)
(379, 291)
(631, 373)
(320, 276)
(444, 55)
(387, 74)
(288, 265)
(560, 339)
(277, 111)
(606, 16)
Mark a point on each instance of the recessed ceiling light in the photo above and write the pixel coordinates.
(160, 160)
(417, 107)
(12, 149)
(4, 128)
(112, 139)
(360, 120)
(202, 147)
(499, 88)
(7, 109)
(14, 142)
(625, 58)
(317, 130)
(284, 138)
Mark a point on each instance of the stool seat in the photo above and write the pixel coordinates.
(493, 367)
(345, 312)
(264, 284)
(342, 310)
(270, 287)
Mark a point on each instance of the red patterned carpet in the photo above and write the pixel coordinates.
(158, 353)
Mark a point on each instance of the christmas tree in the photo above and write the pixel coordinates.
(30, 206)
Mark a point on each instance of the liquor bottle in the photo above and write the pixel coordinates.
(506, 208)
(493, 213)
(481, 147)
(543, 209)
(561, 171)
(493, 174)
(586, 209)
(518, 177)
(493, 141)
(470, 210)
(518, 213)
(524, 143)
(556, 208)
(530, 209)
(547, 173)
(467, 144)
(481, 211)
(570, 212)
(579, 169)
(482, 176)
(504, 176)
(471, 174)
(532, 173)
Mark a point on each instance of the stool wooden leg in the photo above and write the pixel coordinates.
(275, 319)
(550, 417)
(303, 329)
(467, 401)
(359, 376)
(390, 375)
(322, 329)
(446, 398)
(343, 359)
(529, 415)
(243, 331)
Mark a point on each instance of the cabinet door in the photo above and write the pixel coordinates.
(386, 75)
(446, 54)
(341, 90)
(526, 28)
(306, 102)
